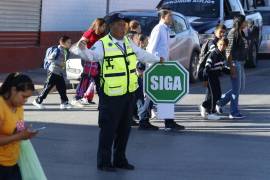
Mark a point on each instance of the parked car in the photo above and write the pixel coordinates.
(74, 69)
(265, 45)
(205, 15)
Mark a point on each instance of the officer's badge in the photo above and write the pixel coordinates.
(110, 44)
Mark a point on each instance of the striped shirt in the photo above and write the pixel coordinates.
(216, 63)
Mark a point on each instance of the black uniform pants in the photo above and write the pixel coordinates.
(10, 173)
(54, 80)
(115, 115)
(213, 93)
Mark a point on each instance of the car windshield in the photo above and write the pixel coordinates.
(201, 8)
(147, 22)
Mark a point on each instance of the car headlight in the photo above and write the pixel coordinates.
(204, 37)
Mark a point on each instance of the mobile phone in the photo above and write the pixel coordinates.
(39, 129)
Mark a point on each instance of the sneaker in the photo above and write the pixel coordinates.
(65, 106)
(213, 117)
(85, 101)
(147, 126)
(39, 106)
(77, 103)
(153, 114)
(134, 123)
(219, 109)
(173, 126)
(237, 116)
(136, 117)
(203, 111)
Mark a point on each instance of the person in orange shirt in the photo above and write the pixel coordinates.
(14, 92)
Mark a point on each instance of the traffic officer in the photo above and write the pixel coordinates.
(118, 57)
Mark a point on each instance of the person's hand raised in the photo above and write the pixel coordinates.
(82, 44)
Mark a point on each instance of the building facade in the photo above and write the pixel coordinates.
(29, 27)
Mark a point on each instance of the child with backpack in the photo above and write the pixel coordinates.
(55, 64)
(208, 47)
(214, 66)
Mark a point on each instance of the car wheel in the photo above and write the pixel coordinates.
(193, 73)
(252, 60)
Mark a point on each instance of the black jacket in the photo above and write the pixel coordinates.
(238, 46)
(215, 64)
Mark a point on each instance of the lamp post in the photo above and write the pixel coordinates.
(107, 7)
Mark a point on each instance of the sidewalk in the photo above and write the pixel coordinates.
(39, 77)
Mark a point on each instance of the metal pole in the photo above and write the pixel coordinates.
(107, 7)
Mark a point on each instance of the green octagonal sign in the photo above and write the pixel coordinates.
(167, 82)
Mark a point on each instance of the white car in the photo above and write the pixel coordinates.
(74, 69)
(265, 45)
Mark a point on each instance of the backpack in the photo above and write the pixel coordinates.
(49, 51)
(203, 58)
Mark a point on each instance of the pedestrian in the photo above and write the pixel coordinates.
(139, 39)
(95, 32)
(134, 37)
(143, 41)
(56, 73)
(134, 31)
(117, 56)
(14, 92)
(135, 26)
(214, 66)
(143, 106)
(159, 45)
(237, 55)
(90, 69)
(219, 33)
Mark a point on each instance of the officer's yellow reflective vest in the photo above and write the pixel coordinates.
(118, 71)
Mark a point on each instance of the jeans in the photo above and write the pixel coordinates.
(238, 84)
(144, 109)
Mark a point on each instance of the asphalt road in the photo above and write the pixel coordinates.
(207, 150)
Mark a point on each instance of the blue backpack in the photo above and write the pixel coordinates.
(49, 51)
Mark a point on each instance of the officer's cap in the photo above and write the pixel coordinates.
(117, 17)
